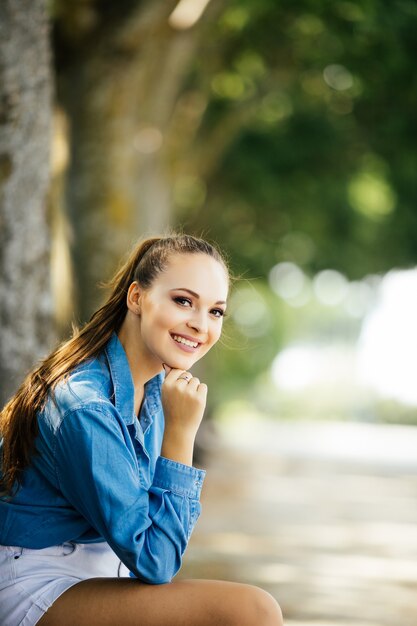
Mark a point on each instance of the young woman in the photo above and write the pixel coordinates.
(99, 492)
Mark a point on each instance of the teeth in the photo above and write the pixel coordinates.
(192, 344)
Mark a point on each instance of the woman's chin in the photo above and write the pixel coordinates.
(180, 363)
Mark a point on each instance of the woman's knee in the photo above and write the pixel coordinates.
(258, 607)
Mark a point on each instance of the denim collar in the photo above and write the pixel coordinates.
(123, 389)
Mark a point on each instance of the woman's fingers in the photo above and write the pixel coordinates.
(202, 390)
(185, 376)
(174, 374)
(192, 384)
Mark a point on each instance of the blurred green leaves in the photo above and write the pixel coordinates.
(320, 172)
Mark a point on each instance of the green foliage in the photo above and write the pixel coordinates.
(321, 168)
(322, 172)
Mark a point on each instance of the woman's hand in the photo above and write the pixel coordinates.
(183, 400)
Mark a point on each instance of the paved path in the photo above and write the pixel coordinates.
(324, 516)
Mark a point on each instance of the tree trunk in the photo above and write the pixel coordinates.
(25, 126)
(119, 95)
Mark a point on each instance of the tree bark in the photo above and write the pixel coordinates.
(25, 128)
(119, 90)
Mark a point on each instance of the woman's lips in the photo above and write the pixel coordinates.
(183, 347)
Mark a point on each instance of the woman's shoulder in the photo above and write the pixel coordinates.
(87, 385)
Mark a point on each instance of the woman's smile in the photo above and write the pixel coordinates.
(185, 344)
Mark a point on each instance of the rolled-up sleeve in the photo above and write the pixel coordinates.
(98, 471)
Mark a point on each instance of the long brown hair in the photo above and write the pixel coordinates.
(18, 419)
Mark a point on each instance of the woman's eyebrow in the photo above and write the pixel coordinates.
(193, 293)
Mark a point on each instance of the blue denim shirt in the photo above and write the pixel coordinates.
(99, 474)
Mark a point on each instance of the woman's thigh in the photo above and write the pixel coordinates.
(127, 602)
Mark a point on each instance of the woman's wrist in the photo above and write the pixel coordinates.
(178, 448)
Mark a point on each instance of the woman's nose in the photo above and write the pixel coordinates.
(199, 322)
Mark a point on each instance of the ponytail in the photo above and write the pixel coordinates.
(18, 421)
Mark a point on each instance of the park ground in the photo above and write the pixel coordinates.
(322, 515)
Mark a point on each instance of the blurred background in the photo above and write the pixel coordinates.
(285, 133)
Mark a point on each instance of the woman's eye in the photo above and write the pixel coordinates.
(186, 302)
(181, 300)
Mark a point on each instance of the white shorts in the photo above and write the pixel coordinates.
(31, 580)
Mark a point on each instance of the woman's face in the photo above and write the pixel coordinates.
(181, 314)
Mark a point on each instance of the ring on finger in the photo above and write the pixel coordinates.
(185, 377)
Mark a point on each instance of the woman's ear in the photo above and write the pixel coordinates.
(133, 299)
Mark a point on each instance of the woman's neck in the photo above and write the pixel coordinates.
(142, 367)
